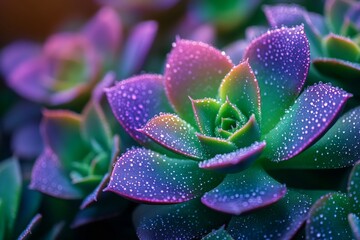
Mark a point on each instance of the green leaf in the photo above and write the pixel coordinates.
(214, 145)
(336, 46)
(220, 233)
(205, 111)
(247, 134)
(354, 188)
(10, 193)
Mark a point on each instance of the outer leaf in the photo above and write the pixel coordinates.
(280, 220)
(335, 11)
(136, 100)
(147, 176)
(104, 31)
(245, 191)
(293, 15)
(280, 60)
(137, 47)
(28, 230)
(338, 148)
(308, 119)
(340, 47)
(175, 134)
(220, 233)
(241, 88)
(10, 194)
(354, 188)
(235, 161)
(328, 218)
(205, 111)
(191, 66)
(189, 220)
(214, 145)
(49, 177)
(354, 222)
(339, 69)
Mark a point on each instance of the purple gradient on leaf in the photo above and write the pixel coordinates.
(17, 53)
(354, 222)
(49, 177)
(136, 100)
(235, 161)
(308, 119)
(137, 48)
(105, 30)
(26, 141)
(175, 134)
(146, 176)
(280, 60)
(193, 69)
(244, 191)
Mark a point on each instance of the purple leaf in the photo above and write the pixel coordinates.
(241, 88)
(354, 188)
(136, 100)
(235, 161)
(280, 60)
(281, 220)
(205, 111)
(26, 141)
(328, 218)
(354, 222)
(214, 145)
(147, 176)
(175, 134)
(189, 220)
(30, 227)
(195, 70)
(16, 54)
(241, 192)
(49, 177)
(307, 120)
(61, 133)
(338, 148)
(137, 48)
(105, 30)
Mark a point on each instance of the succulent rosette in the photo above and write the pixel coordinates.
(18, 205)
(69, 64)
(334, 38)
(210, 131)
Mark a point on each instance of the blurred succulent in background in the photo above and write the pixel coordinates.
(334, 39)
(69, 64)
(18, 204)
(210, 131)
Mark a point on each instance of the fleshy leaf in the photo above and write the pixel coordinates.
(28, 230)
(241, 88)
(136, 100)
(175, 134)
(49, 177)
(147, 176)
(354, 188)
(220, 233)
(137, 47)
(338, 148)
(235, 161)
(335, 11)
(347, 71)
(340, 47)
(61, 131)
(195, 70)
(307, 120)
(293, 15)
(10, 194)
(328, 218)
(189, 220)
(205, 111)
(280, 220)
(94, 195)
(280, 60)
(247, 134)
(214, 145)
(354, 222)
(104, 31)
(244, 191)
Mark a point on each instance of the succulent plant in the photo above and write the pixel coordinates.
(69, 64)
(211, 131)
(18, 205)
(334, 38)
